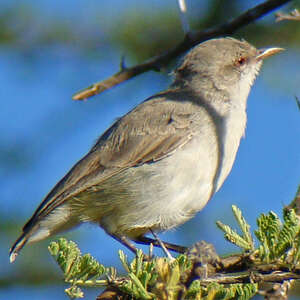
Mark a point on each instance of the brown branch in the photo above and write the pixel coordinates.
(244, 269)
(294, 15)
(251, 278)
(190, 40)
(111, 293)
(277, 291)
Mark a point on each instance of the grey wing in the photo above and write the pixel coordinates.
(150, 132)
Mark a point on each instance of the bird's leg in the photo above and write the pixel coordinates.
(163, 247)
(147, 241)
(124, 241)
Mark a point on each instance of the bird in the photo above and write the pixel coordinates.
(159, 164)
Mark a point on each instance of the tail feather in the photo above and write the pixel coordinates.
(40, 228)
(17, 247)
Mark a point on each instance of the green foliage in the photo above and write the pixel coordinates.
(245, 291)
(78, 270)
(158, 278)
(215, 291)
(162, 278)
(276, 238)
(267, 233)
(244, 241)
(141, 274)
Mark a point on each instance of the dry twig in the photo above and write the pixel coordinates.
(294, 15)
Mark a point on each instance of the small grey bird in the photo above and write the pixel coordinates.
(158, 165)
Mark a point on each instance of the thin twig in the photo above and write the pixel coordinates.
(294, 15)
(183, 16)
(156, 63)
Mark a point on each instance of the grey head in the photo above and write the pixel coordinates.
(223, 65)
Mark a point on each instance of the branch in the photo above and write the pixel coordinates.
(294, 15)
(183, 16)
(278, 291)
(190, 40)
(256, 277)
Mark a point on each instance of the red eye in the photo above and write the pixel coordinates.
(241, 61)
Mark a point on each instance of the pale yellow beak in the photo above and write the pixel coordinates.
(264, 53)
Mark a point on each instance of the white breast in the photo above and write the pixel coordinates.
(234, 129)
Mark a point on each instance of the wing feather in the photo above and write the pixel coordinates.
(150, 132)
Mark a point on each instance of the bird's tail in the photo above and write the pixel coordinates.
(17, 247)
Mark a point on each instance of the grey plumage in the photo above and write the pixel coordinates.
(160, 163)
